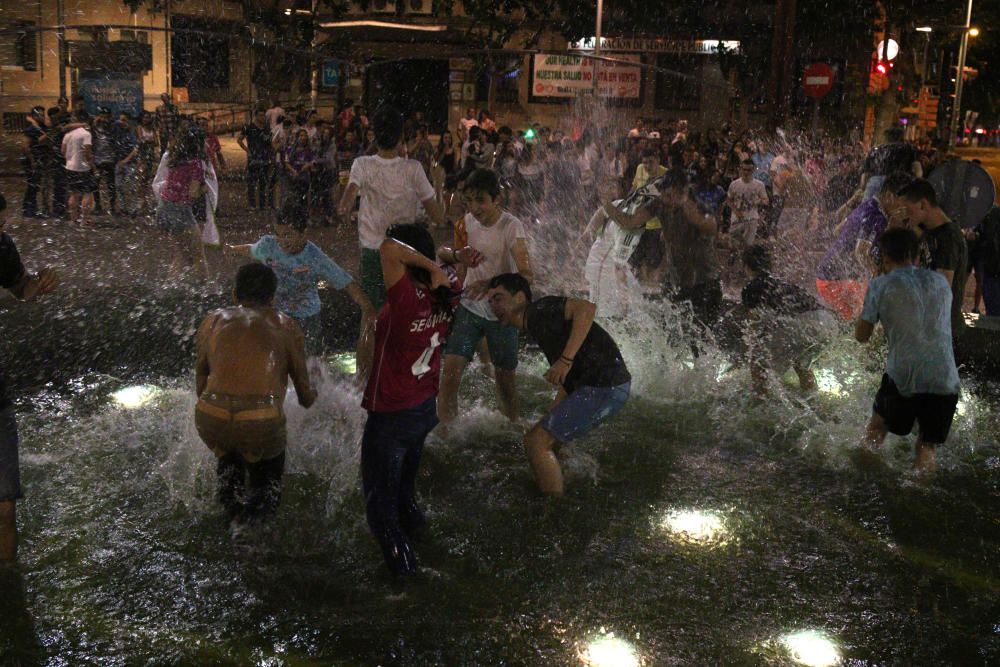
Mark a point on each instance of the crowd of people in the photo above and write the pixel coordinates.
(674, 214)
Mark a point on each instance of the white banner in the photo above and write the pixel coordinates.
(568, 76)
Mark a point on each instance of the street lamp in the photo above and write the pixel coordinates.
(963, 48)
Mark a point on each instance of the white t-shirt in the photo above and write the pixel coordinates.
(745, 199)
(391, 193)
(72, 148)
(496, 242)
(272, 115)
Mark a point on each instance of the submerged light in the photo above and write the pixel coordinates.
(135, 396)
(345, 362)
(828, 383)
(811, 648)
(609, 651)
(697, 526)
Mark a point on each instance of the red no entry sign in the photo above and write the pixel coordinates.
(817, 80)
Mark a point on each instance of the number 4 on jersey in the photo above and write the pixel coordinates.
(422, 365)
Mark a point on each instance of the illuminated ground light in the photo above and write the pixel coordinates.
(828, 383)
(135, 396)
(811, 648)
(345, 362)
(695, 526)
(962, 408)
(606, 650)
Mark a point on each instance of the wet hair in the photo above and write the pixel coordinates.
(757, 258)
(388, 124)
(417, 237)
(674, 179)
(293, 214)
(81, 116)
(256, 283)
(899, 245)
(918, 190)
(748, 163)
(895, 182)
(483, 180)
(189, 146)
(513, 283)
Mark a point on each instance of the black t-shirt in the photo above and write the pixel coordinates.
(766, 291)
(36, 146)
(885, 159)
(693, 260)
(944, 249)
(598, 363)
(11, 273)
(258, 143)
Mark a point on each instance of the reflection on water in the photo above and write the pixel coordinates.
(606, 650)
(135, 396)
(695, 526)
(811, 648)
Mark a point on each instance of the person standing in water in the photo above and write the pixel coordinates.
(25, 287)
(921, 382)
(300, 265)
(501, 239)
(401, 396)
(586, 366)
(246, 355)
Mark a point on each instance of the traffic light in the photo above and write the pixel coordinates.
(881, 68)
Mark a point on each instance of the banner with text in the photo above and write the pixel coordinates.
(118, 92)
(565, 77)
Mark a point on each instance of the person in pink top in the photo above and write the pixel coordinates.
(185, 178)
(401, 395)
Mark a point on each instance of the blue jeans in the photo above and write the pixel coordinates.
(584, 409)
(390, 456)
(10, 473)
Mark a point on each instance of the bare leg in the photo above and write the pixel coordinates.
(8, 532)
(86, 206)
(926, 461)
(483, 352)
(539, 445)
(507, 394)
(72, 206)
(364, 356)
(875, 432)
(807, 379)
(451, 378)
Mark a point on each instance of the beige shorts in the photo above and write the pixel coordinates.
(251, 426)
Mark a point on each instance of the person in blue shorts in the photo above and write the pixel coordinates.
(300, 265)
(586, 366)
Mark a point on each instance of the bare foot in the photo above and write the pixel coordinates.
(926, 461)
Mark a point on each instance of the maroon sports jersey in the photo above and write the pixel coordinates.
(409, 337)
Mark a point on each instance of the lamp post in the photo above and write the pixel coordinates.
(597, 43)
(956, 108)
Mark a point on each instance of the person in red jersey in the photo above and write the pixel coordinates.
(401, 395)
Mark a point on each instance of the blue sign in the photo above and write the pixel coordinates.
(114, 91)
(331, 73)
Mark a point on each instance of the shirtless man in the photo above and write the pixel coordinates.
(245, 356)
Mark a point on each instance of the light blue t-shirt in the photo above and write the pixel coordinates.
(914, 307)
(298, 275)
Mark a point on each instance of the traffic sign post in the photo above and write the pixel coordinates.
(817, 82)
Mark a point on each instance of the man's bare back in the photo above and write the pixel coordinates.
(252, 351)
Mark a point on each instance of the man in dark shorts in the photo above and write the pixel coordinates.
(942, 245)
(25, 287)
(401, 395)
(586, 365)
(921, 381)
(246, 355)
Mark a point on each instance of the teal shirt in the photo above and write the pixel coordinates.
(914, 307)
(298, 275)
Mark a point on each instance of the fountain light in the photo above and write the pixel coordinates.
(811, 648)
(345, 362)
(695, 526)
(607, 650)
(828, 383)
(135, 396)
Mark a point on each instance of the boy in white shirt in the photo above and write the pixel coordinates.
(500, 240)
(78, 151)
(392, 189)
(746, 197)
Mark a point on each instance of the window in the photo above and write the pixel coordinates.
(21, 52)
(675, 92)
